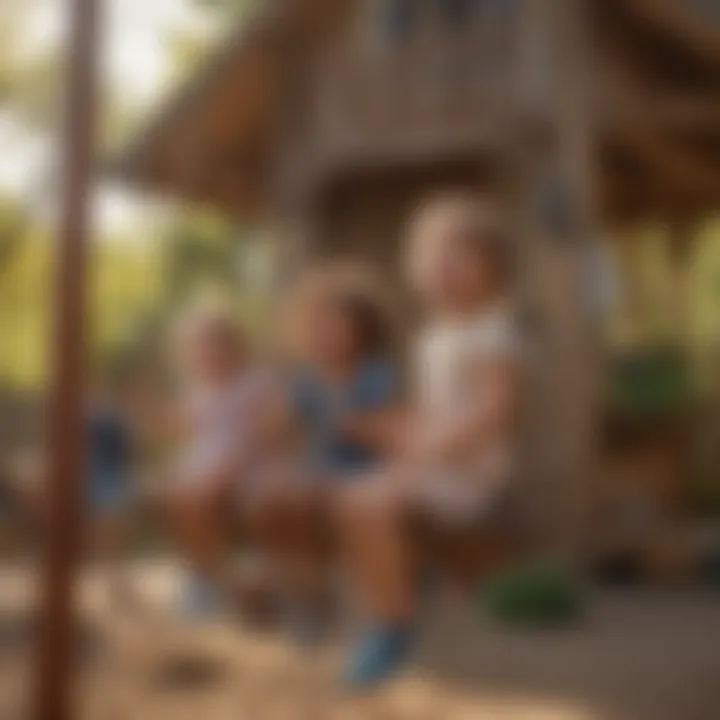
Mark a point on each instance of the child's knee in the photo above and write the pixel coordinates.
(267, 517)
(184, 503)
(259, 520)
(363, 504)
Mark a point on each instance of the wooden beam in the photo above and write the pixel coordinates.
(624, 201)
(629, 94)
(678, 167)
(632, 105)
(699, 35)
(57, 649)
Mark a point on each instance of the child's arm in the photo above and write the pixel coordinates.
(161, 420)
(380, 423)
(275, 423)
(385, 431)
(172, 422)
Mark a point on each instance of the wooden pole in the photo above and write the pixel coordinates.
(56, 649)
(557, 194)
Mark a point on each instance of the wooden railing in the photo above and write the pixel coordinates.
(449, 85)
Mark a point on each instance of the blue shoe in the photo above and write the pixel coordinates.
(380, 654)
(200, 598)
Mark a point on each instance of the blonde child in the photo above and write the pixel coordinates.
(455, 444)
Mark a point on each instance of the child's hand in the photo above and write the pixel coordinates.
(274, 425)
(425, 443)
(383, 430)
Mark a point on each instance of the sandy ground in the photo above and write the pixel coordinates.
(638, 655)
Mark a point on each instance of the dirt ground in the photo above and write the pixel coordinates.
(637, 655)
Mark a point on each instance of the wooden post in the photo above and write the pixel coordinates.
(56, 652)
(555, 166)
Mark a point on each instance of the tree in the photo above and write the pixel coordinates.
(29, 79)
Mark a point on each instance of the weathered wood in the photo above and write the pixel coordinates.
(348, 128)
(391, 98)
(683, 21)
(555, 175)
(668, 158)
(54, 689)
(440, 85)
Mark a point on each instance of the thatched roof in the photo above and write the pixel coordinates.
(658, 117)
(212, 140)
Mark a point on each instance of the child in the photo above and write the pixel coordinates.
(216, 428)
(343, 371)
(106, 477)
(340, 371)
(108, 468)
(456, 442)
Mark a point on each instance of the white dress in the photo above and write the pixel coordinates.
(448, 356)
(222, 429)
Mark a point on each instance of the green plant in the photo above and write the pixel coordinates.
(539, 594)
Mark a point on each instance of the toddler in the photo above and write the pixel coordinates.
(340, 376)
(455, 443)
(216, 428)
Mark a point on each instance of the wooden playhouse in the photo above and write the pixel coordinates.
(329, 119)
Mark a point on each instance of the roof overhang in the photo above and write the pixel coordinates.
(659, 135)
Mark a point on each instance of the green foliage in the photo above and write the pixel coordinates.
(189, 49)
(135, 290)
(225, 6)
(14, 224)
(201, 249)
(649, 383)
(24, 300)
(537, 595)
(29, 81)
(136, 286)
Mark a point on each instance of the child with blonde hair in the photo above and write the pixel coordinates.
(454, 446)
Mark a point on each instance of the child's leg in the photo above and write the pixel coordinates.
(196, 526)
(309, 543)
(288, 522)
(291, 526)
(375, 523)
(374, 527)
(109, 535)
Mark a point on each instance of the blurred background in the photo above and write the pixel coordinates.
(238, 137)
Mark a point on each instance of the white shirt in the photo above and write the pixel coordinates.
(448, 352)
(448, 357)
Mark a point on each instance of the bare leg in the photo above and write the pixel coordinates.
(108, 542)
(373, 523)
(193, 520)
(378, 545)
(288, 524)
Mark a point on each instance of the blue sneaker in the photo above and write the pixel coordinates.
(200, 598)
(379, 654)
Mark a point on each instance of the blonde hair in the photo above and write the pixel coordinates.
(478, 223)
(353, 286)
